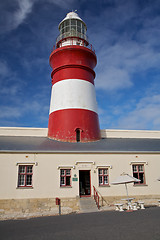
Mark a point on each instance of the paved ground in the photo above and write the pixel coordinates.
(138, 225)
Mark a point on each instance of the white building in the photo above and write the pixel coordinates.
(35, 169)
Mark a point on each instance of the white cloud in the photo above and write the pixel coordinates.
(7, 112)
(61, 3)
(9, 81)
(14, 13)
(125, 43)
(118, 63)
(28, 109)
(112, 78)
(4, 69)
(11, 90)
(25, 7)
(146, 114)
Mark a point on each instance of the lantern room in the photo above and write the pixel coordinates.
(72, 31)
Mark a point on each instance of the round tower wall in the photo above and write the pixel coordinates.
(73, 101)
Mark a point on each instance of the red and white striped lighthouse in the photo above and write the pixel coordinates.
(73, 113)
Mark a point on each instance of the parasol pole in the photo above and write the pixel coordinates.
(126, 190)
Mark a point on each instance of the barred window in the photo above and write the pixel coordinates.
(138, 172)
(25, 174)
(65, 177)
(103, 177)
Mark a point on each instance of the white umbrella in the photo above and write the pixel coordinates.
(125, 178)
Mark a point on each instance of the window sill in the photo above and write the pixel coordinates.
(104, 186)
(65, 186)
(24, 187)
(140, 185)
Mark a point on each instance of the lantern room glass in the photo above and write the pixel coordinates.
(73, 27)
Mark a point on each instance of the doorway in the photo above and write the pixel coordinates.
(84, 183)
(78, 134)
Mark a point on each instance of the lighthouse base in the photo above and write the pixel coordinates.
(78, 125)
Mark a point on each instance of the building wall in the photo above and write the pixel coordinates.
(115, 133)
(22, 131)
(46, 174)
(105, 133)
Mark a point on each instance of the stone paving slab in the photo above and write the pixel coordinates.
(84, 208)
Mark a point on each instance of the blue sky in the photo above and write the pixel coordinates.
(126, 37)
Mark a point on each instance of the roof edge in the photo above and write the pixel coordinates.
(105, 133)
(78, 152)
(23, 131)
(119, 133)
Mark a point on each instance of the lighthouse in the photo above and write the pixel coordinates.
(73, 115)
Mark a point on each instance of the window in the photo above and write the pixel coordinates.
(138, 172)
(25, 174)
(73, 22)
(65, 177)
(67, 23)
(103, 176)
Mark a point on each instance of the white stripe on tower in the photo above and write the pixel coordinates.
(73, 93)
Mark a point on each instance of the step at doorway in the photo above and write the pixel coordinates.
(87, 205)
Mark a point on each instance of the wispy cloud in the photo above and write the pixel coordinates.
(24, 8)
(4, 69)
(10, 112)
(119, 63)
(61, 3)
(126, 43)
(14, 13)
(140, 113)
(146, 114)
(113, 78)
(10, 83)
(29, 109)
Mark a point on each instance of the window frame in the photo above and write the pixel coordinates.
(65, 177)
(138, 174)
(25, 174)
(103, 176)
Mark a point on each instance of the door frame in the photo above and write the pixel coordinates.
(89, 195)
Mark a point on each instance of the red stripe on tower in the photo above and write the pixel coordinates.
(73, 109)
